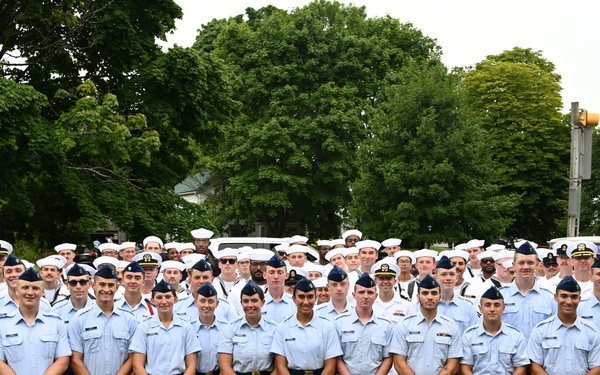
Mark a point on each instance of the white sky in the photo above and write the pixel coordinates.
(468, 31)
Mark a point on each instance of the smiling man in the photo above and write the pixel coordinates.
(565, 343)
(102, 331)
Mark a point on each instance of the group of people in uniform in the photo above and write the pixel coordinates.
(351, 311)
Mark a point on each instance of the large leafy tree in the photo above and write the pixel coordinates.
(308, 81)
(425, 172)
(516, 96)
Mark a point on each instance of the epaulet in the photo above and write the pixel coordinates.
(545, 321)
(84, 310)
(221, 300)
(471, 328)
(384, 319)
(7, 315)
(51, 315)
(124, 310)
(323, 317)
(545, 289)
(510, 326)
(60, 304)
(589, 324)
(347, 313)
(466, 299)
(321, 306)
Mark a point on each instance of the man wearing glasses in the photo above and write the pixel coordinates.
(78, 283)
(201, 241)
(228, 278)
(583, 254)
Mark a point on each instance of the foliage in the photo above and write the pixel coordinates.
(308, 81)
(424, 174)
(516, 96)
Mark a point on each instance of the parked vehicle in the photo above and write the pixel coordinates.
(85, 254)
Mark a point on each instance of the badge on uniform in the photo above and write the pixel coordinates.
(443, 334)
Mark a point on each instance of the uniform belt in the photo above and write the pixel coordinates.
(254, 373)
(305, 372)
(215, 372)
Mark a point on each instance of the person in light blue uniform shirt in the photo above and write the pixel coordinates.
(78, 283)
(246, 344)
(565, 343)
(278, 304)
(209, 329)
(452, 305)
(305, 342)
(365, 338)
(12, 269)
(185, 308)
(165, 343)
(524, 310)
(338, 284)
(132, 299)
(589, 308)
(100, 335)
(34, 342)
(426, 343)
(493, 347)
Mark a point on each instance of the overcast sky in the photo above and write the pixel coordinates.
(468, 30)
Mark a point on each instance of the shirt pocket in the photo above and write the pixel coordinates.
(551, 347)
(377, 345)
(122, 340)
(349, 342)
(541, 310)
(91, 340)
(13, 348)
(582, 351)
(240, 345)
(49, 343)
(506, 354)
(442, 347)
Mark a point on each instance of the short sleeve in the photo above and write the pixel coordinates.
(467, 357)
(62, 348)
(138, 344)
(398, 343)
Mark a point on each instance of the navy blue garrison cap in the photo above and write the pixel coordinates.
(30, 275)
(568, 284)
(304, 285)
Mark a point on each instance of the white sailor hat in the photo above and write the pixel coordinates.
(338, 241)
(350, 250)
(352, 232)
(185, 245)
(485, 254)
(65, 246)
(152, 239)
(191, 259)
(405, 253)
(321, 282)
(127, 245)
(425, 253)
(282, 246)
(507, 264)
(460, 246)
(503, 254)
(297, 238)
(51, 261)
(202, 233)
(108, 246)
(260, 254)
(323, 243)
(368, 244)
(171, 264)
(311, 267)
(227, 252)
(391, 242)
(105, 260)
(171, 245)
(333, 252)
(474, 243)
(458, 254)
(296, 249)
(495, 247)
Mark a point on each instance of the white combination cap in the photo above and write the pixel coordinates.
(5, 248)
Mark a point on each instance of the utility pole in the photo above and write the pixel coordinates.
(582, 127)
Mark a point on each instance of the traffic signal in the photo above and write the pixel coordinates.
(589, 119)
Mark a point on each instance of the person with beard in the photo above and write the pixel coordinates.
(200, 274)
(258, 267)
(565, 343)
(338, 284)
(426, 343)
(364, 335)
(102, 331)
(245, 345)
(493, 347)
(202, 242)
(209, 329)
(305, 342)
(482, 281)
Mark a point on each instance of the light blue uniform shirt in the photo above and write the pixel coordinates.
(249, 346)
(187, 310)
(494, 354)
(278, 311)
(365, 346)
(525, 311)
(209, 338)
(165, 348)
(461, 310)
(426, 347)
(103, 340)
(306, 347)
(141, 311)
(589, 309)
(563, 350)
(67, 311)
(329, 312)
(8, 306)
(32, 349)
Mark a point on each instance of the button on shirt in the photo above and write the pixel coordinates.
(249, 346)
(67, 311)
(277, 311)
(525, 311)
(494, 354)
(141, 311)
(306, 347)
(187, 310)
(364, 346)
(31, 349)
(565, 350)
(209, 338)
(426, 347)
(165, 348)
(102, 339)
(589, 310)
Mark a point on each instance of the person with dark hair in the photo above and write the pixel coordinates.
(245, 345)
(164, 343)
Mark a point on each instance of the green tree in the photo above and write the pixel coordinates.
(516, 96)
(308, 81)
(424, 174)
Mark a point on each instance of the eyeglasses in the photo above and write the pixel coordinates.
(487, 260)
(201, 241)
(109, 253)
(225, 261)
(404, 262)
(244, 262)
(258, 264)
(80, 282)
(548, 265)
(282, 253)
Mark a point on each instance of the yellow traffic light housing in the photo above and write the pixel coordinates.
(589, 119)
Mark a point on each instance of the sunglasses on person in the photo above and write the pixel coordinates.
(553, 264)
(282, 253)
(225, 261)
(80, 282)
(487, 260)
